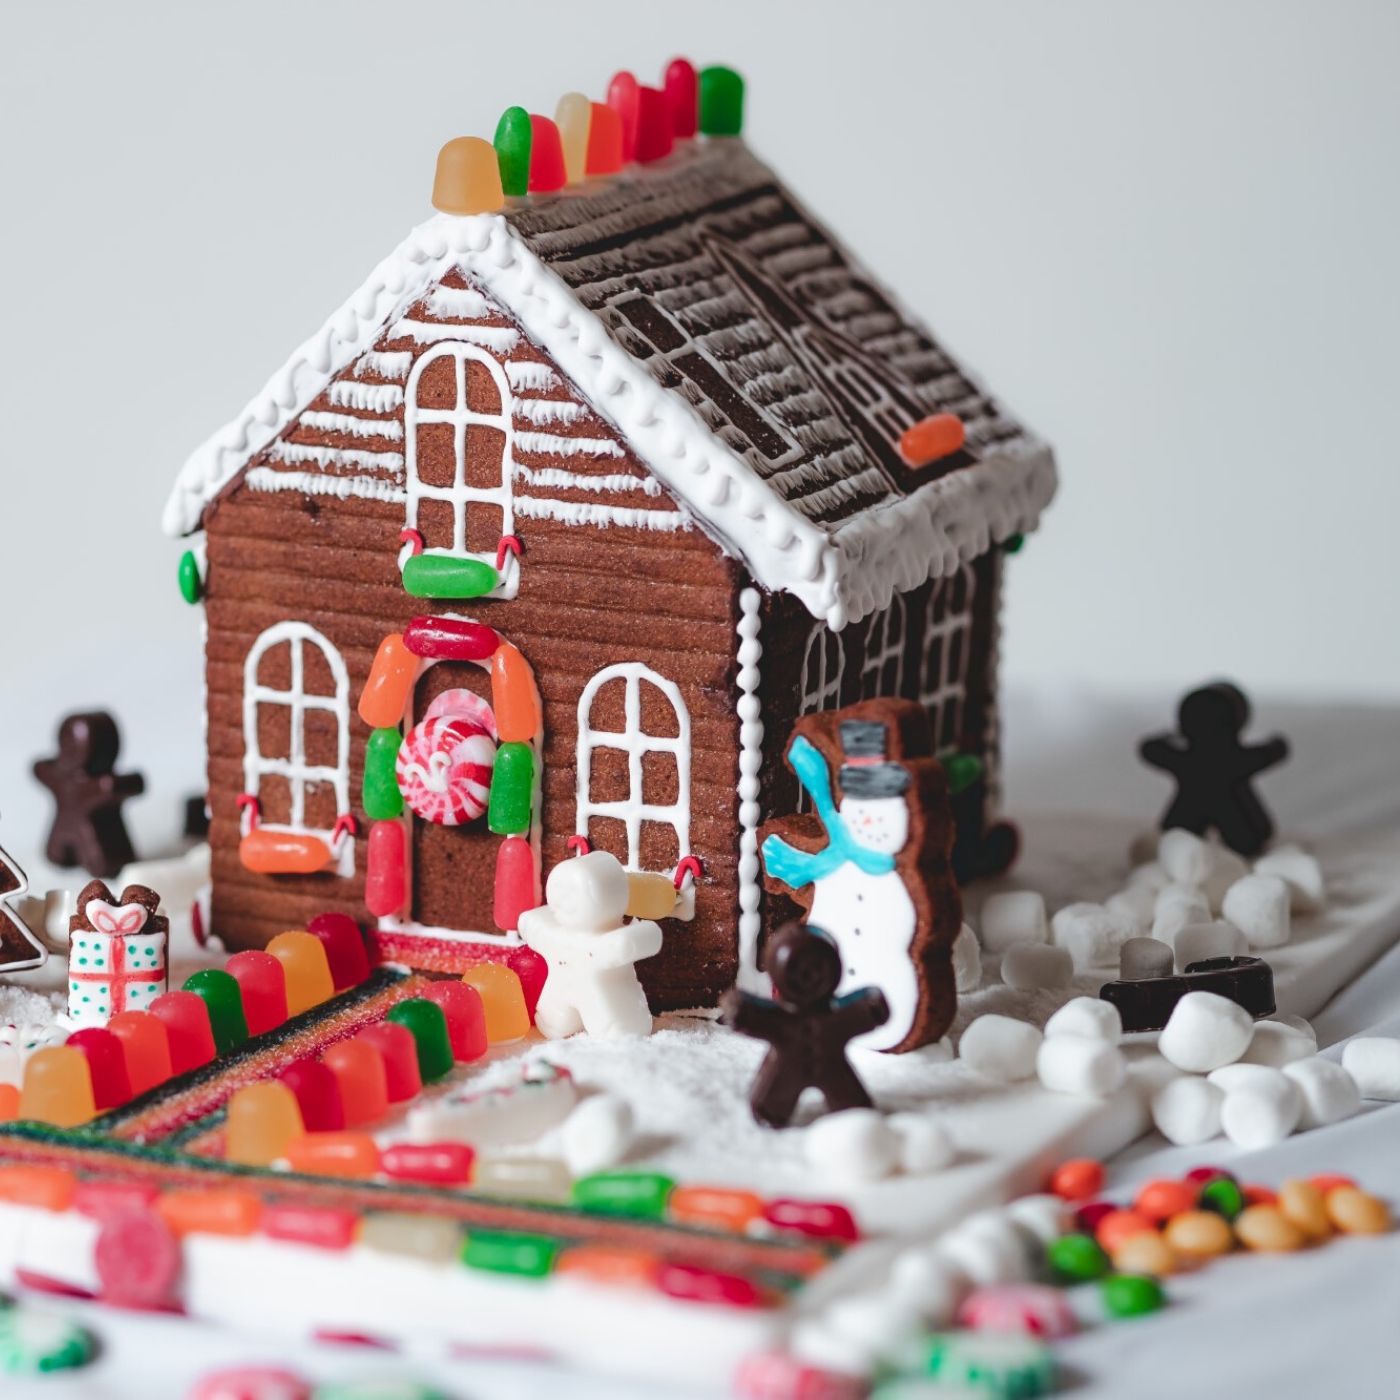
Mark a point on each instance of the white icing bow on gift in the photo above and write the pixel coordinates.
(120, 920)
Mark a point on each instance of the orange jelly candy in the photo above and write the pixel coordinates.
(391, 677)
(515, 698)
(364, 1086)
(9, 1103)
(49, 1187)
(334, 1154)
(1160, 1200)
(714, 1207)
(1077, 1179)
(263, 1121)
(1119, 1226)
(617, 1267)
(308, 971)
(57, 1088)
(145, 1047)
(939, 435)
(210, 1212)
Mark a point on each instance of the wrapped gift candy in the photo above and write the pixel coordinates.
(116, 959)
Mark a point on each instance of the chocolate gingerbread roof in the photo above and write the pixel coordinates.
(760, 373)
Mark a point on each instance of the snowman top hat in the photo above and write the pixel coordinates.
(866, 771)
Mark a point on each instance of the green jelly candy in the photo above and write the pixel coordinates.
(961, 770)
(1012, 543)
(530, 1256)
(1007, 1367)
(1131, 1295)
(514, 138)
(512, 790)
(1076, 1258)
(33, 1340)
(721, 102)
(388, 1388)
(1223, 1196)
(428, 1024)
(223, 999)
(623, 1193)
(191, 585)
(441, 576)
(382, 799)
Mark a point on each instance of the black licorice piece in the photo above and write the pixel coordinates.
(1146, 1005)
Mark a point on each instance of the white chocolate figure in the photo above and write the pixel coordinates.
(581, 933)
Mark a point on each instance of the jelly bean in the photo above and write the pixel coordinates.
(655, 137)
(572, 117)
(1268, 1230)
(512, 790)
(206, 1212)
(1255, 1195)
(439, 576)
(111, 1086)
(1120, 1225)
(426, 1022)
(318, 1095)
(379, 790)
(1329, 1181)
(1223, 1196)
(1077, 1180)
(191, 585)
(523, 1178)
(1355, 1212)
(499, 1252)
(262, 982)
(442, 1163)
(1090, 1213)
(468, 178)
(1306, 1207)
(418, 1236)
(932, 438)
(532, 970)
(317, 1226)
(623, 1193)
(822, 1220)
(50, 1188)
(385, 696)
(623, 97)
(137, 1260)
(993, 1365)
(547, 172)
(714, 1208)
(1030, 1309)
(1076, 1258)
(650, 896)
(57, 1088)
(683, 97)
(361, 1077)
(100, 1199)
(515, 697)
(604, 155)
(1198, 1234)
(283, 853)
(262, 1121)
(1199, 1176)
(1145, 1254)
(386, 873)
(308, 972)
(9, 1103)
(186, 1021)
(613, 1265)
(348, 1155)
(344, 943)
(694, 1285)
(250, 1383)
(1160, 1200)
(466, 1018)
(502, 1001)
(451, 639)
(517, 883)
(721, 102)
(1131, 1295)
(512, 141)
(33, 1341)
(223, 999)
(399, 1051)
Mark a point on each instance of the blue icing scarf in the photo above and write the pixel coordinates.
(797, 868)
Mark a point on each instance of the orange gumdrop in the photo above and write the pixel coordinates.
(606, 1264)
(360, 1075)
(9, 1103)
(468, 180)
(145, 1048)
(502, 1000)
(391, 677)
(939, 435)
(210, 1212)
(48, 1187)
(1119, 1226)
(348, 1155)
(714, 1207)
(515, 698)
(261, 1122)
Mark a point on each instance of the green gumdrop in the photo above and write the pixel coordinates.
(223, 999)
(530, 1256)
(441, 576)
(961, 770)
(426, 1022)
(623, 1193)
(1077, 1258)
(514, 137)
(382, 799)
(1223, 1196)
(1131, 1295)
(1012, 543)
(191, 585)
(512, 789)
(721, 102)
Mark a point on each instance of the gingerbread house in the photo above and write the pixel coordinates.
(619, 469)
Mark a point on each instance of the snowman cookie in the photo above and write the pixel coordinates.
(871, 864)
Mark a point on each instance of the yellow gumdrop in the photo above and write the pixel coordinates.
(263, 1121)
(650, 896)
(502, 999)
(57, 1088)
(468, 179)
(308, 973)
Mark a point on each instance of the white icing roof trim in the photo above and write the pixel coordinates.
(840, 577)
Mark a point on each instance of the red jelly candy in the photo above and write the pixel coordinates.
(145, 1048)
(364, 1088)
(317, 1094)
(532, 970)
(262, 980)
(1088, 1215)
(515, 882)
(100, 1199)
(137, 1259)
(654, 133)
(186, 1021)
(624, 97)
(1201, 1176)
(827, 1220)
(704, 1286)
(466, 1018)
(400, 1051)
(443, 1163)
(683, 97)
(111, 1087)
(546, 156)
(311, 1225)
(386, 874)
(345, 948)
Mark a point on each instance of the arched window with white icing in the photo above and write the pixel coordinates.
(296, 734)
(633, 767)
(882, 672)
(945, 657)
(823, 669)
(457, 457)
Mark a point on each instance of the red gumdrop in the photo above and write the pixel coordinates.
(705, 1286)
(400, 1051)
(441, 1163)
(604, 155)
(683, 97)
(111, 1085)
(386, 873)
(137, 1259)
(624, 97)
(262, 980)
(466, 1017)
(146, 1048)
(186, 1020)
(547, 171)
(655, 137)
(515, 882)
(317, 1094)
(344, 943)
(532, 970)
(819, 1219)
(311, 1225)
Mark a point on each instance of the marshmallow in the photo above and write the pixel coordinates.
(1263, 1113)
(1307, 890)
(1074, 1064)
(967, 961)
(1187, 1111)
(1027, 966)
(1177, 907)
(1087, 1016)
(1144, 957)
(853, 1145)
(924, 1143)
(874, 1324)
(1185, 857)
(1015, 917)
(1228, 1078)
(1201, 942)
(988, 1248)
(1300, 1025)
(1228, 868)
(1204, 1032)
(1135, 902)
(931, 1285)
(1046, 1217)
(1374, 1062)
(597, 1134)
(1258, 906)
(1275, 1043)
(1329, 1092)
(1092, 933)
(1151, 875)
(1000, 1048)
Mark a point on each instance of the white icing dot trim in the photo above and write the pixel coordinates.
(750, 712)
